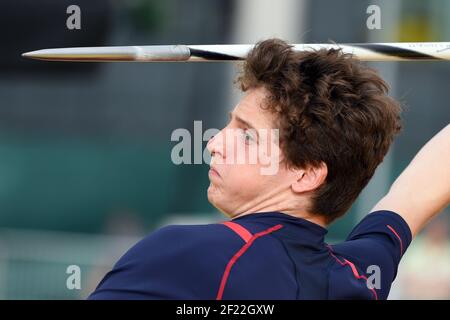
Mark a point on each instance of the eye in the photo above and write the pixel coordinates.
(248, 137)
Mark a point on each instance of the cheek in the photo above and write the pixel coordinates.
(243, 176)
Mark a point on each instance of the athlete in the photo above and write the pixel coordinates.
(319, 124)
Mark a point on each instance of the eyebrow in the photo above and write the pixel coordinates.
(244, 122)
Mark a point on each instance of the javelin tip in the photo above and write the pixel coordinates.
(45, 54)
(30, 54)
(127, 53)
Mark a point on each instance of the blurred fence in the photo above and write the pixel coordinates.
(33, 264)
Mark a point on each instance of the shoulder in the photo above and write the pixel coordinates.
(195, 262)
(173, 262)
(379, 240)
(203, 247)
(384, 225)
(381, 234)
(183, 243)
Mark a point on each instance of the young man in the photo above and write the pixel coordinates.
(326, 121)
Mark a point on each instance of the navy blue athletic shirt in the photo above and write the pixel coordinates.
(269, 255)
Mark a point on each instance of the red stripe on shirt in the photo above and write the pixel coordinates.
(240, 230)
(239, 254)
(354, 271)
(399, 239)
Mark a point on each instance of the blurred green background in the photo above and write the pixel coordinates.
(85, 168)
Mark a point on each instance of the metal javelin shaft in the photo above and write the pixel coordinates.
(395, 51)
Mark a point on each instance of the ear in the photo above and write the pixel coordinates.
(309, 178)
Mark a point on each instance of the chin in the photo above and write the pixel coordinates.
(212, 198)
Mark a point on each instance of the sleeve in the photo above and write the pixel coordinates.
(175, 262)
(376, 245)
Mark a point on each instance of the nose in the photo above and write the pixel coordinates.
(215, 145)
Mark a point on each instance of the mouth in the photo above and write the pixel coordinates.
(213, 172)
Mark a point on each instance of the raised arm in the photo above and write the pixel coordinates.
(423, 189)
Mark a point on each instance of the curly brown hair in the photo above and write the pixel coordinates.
(330, 108)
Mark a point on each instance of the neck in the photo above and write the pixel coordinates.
(280, 199)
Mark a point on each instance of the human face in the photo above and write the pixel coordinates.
(245, 158)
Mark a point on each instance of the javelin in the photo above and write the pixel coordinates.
(395, 51)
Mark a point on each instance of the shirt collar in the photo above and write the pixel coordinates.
(296, 229)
